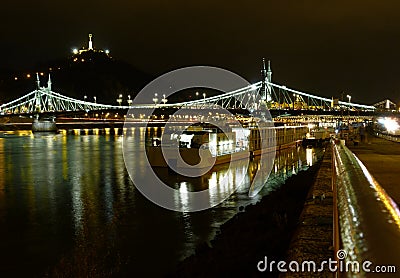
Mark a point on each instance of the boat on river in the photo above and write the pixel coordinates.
(199, 146)
(204, 145)
(267, 139)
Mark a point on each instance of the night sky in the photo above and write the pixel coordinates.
(322, 47)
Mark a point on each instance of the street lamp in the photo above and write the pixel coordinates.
(129, 100)
(95, 99)
(155, 99)
(164, 99)
(294, 99)
(204, 97)
(349, 97)
(348, 109)
(119, 99)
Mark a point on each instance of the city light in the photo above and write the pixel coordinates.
(390, 124)
(75, 51)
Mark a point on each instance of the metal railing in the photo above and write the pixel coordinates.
(394, 138)
(368, 221)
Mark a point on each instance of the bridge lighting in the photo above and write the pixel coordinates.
(129, 100)
(75, 51)
(28, 76)
(95, 99)
(107, 51)
(204, 96)
(349, 97)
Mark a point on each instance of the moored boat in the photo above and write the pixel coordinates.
(199, 146)
(202, 146)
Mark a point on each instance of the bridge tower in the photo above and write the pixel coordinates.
(38, 95)
(49, 83)
(37, 81)
(266, 77)
(269, 72)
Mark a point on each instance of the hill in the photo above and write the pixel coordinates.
(88, 73)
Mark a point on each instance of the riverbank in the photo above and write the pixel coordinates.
(264, 229)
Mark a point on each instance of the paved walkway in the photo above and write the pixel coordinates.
(382, 158)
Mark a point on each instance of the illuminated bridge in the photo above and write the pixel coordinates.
(357, 212)
(44, 100)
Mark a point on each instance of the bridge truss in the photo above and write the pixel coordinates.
(44, 100)
(278, 97)
(274, 96)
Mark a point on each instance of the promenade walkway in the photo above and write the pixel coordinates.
(382, 158)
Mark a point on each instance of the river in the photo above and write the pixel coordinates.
(67, 204)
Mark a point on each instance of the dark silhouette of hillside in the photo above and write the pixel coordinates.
(90, 73)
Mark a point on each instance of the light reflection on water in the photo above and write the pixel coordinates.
(57, 191)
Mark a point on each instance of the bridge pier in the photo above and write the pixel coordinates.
(44, 125)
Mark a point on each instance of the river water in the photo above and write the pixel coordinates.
(68, 206)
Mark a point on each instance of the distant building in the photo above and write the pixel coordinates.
(386, 105)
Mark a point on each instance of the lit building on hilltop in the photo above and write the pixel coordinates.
(90, 48)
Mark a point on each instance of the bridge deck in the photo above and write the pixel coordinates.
(382, 158)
